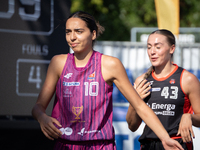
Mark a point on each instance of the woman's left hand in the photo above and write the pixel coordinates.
(185, 128)
(171, 144)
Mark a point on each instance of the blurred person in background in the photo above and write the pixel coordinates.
(170, 91)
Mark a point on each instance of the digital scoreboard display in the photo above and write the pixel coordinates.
(15, 13)
(31, 33)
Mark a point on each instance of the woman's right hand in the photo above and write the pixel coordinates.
(171, 144)
(48, 127)
(143, 89)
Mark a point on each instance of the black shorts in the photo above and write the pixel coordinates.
(157, 145)
(62, 144)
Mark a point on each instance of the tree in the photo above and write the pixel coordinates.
(119, 16)
(189, 13)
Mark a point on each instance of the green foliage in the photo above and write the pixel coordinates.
(119, 16)
(189, 13)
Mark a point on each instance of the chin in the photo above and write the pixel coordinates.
(154, 64)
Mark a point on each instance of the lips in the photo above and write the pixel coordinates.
(154, 59)
(74, 44)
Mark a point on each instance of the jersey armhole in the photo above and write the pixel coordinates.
(181, 82)
(101, 72)
(64, 67)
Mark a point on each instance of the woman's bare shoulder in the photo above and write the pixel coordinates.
(57, 62)
(60, 57)
(110, 61)
(189, 79)
(111, 67)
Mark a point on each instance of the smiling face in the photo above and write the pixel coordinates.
(78, 35)
(159, 50)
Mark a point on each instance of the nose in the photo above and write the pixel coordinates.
(152, 50)
(72, 36)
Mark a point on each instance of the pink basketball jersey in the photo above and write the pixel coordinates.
(83, 102)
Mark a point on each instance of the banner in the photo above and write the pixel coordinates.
(167, 12)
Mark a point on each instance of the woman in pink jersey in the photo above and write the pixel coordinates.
(172, 93)
(82, 112)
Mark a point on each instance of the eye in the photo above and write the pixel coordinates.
(67, 32)
(79, 31)
(158, 47)
(148, 47)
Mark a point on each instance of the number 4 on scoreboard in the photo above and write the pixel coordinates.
(35, 79)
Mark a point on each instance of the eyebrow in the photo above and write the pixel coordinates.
(67, 30)
(155, 43)
(74, 29)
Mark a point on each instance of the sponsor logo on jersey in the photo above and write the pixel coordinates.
(77, 111)
(91, 76)
(67, 131)
(163, 109)
(155, 89)
(87, 132)
(151, 82)
(71, 83)
(68, 75)
(172, 81)
(163, 106)
(67, 93)
(82, 131)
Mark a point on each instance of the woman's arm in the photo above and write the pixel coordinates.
(133, 119)
(143, 89)
(47, 92)
(113, 70)
(191, 87)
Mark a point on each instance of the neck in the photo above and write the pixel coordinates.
(81, 59)
(163, 71)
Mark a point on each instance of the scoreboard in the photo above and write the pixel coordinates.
(16, 12)
(31, 33)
